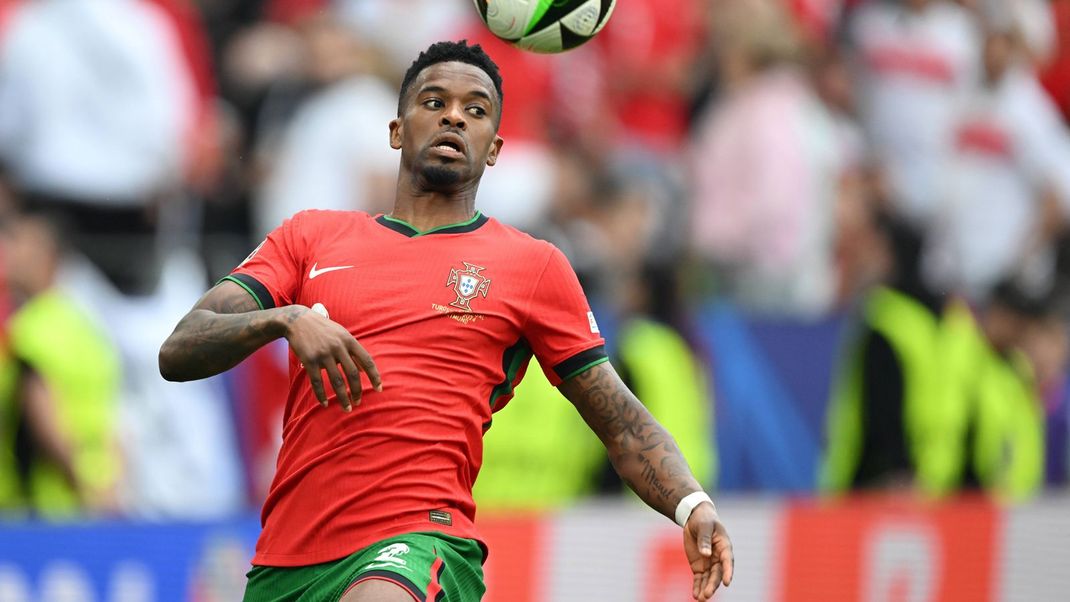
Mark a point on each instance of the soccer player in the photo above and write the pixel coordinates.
(373, 502)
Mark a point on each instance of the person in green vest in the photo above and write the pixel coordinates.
(657, 359)
(887, 424)
(935, 399)
(993, 380)
(540, 436)
(665, 367)
(68, 381)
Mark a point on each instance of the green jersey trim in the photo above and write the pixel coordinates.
(513, 359)
(583, 369)
(403, 227)
(584, 360)
(254, 288)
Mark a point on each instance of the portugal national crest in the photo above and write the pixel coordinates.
(468, 284)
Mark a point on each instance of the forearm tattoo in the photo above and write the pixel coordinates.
(223, 328)
(641, 450)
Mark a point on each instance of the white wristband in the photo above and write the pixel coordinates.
(687, 505)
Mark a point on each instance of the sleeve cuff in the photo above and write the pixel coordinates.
(580, 362)
(253, 287)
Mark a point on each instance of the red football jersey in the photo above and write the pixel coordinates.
(451, 317)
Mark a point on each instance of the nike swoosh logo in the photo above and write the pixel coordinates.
(314, 272)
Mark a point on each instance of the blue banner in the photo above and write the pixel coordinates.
(126, 562)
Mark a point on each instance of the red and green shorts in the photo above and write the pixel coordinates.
(432, 567)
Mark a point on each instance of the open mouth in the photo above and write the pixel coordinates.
(447, 145)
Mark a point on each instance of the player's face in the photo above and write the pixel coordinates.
(448, 129)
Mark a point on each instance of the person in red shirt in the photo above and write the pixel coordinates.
(375, 503)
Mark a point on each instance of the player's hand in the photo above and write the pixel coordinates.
(324, 345)
(709, 551)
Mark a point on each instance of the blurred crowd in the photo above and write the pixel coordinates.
(902, 162)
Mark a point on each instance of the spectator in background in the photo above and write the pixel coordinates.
(605, 218)
(766, 164)
(856, 188)
(992, 362)
(560, 459)
(932, 398)
(570, 223)
(652, 353)
(1006, 185)
(887, 425)
(650, 336)
(201, 159)
(832, 83)
(915, 62)
(94, 102)
(69, 382)
(657, 358)
(260, 64)
(334, 154)
(425, 21)
(626, 98)
(648, 58)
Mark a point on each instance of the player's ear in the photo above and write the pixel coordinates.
(495, 148)
(395, 133)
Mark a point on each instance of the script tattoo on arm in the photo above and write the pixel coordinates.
(221, 330)
(643, 453)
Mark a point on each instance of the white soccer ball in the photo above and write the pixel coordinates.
(545, 25)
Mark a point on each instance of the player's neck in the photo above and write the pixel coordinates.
(426, 209)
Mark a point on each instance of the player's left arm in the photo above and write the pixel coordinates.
(646, 457)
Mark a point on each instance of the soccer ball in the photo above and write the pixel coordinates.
(545, 25)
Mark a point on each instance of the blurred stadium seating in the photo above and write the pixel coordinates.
(749, 152)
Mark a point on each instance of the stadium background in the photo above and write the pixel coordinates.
(728, 167)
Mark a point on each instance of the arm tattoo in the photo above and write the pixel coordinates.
(222, 329)
(641, 450)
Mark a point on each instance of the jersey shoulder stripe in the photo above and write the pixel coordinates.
(581, 362)
(253, 286)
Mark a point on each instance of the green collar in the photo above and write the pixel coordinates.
(403, 227)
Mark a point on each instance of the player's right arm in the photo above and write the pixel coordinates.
(227, 325)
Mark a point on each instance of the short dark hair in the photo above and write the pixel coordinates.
(446, 52)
